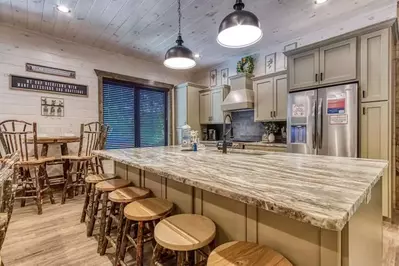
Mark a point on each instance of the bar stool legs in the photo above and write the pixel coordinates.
(94, 210)
(86, 202)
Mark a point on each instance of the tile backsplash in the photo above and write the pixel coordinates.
(245, 128)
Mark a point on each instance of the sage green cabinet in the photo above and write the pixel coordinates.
(270, 98)
(211, 104)
(374, 66)
(328, 64)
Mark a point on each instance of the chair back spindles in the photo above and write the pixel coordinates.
(92, 137)
(14, 136)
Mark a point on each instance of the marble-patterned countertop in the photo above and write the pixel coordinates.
(265, 144)
(6, 167)
(321, 190)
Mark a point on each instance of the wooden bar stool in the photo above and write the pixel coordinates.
(145, 212)
(246, 254)
(91, 181)
(102, 190)
(120, 197)
(184, 234)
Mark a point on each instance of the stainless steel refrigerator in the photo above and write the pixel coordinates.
(324, 121)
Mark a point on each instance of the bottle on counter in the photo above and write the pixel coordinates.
(186, 138)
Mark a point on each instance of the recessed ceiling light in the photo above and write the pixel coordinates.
(319, 1)
(196, 55)
(63, 9)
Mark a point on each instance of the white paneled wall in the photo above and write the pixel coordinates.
(18, 47)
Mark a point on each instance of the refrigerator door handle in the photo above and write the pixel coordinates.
(321, 124)
(314, 133)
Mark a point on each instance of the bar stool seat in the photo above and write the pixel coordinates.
(144, 214)
(111, 185)
(32, 161)
(246, 254)
(96, 178)
(185, 232)
(148, 209)
(128, 194)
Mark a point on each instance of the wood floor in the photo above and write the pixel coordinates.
(58, 238)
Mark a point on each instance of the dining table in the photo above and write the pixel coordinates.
(63, 142)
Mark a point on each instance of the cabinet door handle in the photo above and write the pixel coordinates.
(364, 94)
(271, 113)
(321, 76)
(316, 77)
(274, 113)
(364, 110)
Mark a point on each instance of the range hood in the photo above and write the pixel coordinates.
(241, 95)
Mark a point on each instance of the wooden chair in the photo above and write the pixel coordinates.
(13, 136)
(185, 234)
(246, 254)
(92, 137)
(144, 214)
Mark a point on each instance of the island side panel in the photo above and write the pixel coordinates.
(362, 236)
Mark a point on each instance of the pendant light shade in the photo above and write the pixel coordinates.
(240, 28)
(179, 56)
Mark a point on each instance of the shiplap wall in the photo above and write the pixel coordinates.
(18, 47)
(344, 26)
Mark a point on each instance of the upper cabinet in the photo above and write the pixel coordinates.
(374, 66)
(338, 62)
(186, 107)
(325, 65)
(304, 69)
(211, 104)
(270, 98)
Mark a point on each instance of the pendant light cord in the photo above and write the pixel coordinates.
(179, 40)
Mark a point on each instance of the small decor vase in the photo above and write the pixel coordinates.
(265, 137)
(271, 137)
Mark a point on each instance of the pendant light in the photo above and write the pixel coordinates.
(179, 56)
(240, 28)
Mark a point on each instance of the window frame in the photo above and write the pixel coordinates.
(137, 84)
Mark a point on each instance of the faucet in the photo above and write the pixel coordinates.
(225, 133)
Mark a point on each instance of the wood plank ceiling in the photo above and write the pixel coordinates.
(147, 28)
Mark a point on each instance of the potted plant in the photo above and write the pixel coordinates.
(271, 128)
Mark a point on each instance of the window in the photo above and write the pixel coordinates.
(137, 116)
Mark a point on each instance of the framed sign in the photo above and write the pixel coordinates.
(50, 86)
(52, 106)
(50, 70)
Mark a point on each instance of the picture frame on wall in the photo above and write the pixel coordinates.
(289, 47)
(225, 76)
(270, 63)
(213, 74)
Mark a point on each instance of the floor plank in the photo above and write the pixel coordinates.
(58, 238)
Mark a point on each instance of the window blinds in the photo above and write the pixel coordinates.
(137, 116)
(118, 107)
(153, 115)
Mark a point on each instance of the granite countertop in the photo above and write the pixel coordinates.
(6, 167)
(320, 190)
(265, 144)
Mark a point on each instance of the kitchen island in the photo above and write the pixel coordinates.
(315, 210)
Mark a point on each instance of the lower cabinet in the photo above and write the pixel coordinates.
(374, 143)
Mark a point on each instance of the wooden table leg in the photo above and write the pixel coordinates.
(64, 151)
(44, 150)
